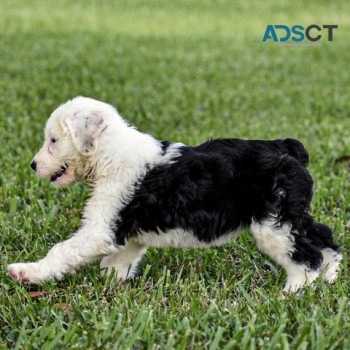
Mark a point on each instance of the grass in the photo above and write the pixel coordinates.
(184, 71)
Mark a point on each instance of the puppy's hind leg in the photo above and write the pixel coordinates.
(125, 261)
(330, 265)
(277, 241)
(283, 235)
(322, 236)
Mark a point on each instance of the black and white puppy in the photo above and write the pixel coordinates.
(148, 193)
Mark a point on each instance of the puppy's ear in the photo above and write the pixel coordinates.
(84, 131)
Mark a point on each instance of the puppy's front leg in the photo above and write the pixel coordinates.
(87, 245)
(93, 241)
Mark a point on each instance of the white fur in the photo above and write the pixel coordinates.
(108, 165)
(277, 242)
(330, 265)
(179, 238)
(99, 146)
(125, 261)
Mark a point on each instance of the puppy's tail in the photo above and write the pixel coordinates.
(296, 149)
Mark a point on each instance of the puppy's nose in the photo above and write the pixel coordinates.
(33, 165)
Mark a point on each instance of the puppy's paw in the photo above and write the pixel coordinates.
(26, 273)
(330, 265)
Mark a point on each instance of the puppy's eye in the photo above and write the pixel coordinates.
(53, 140)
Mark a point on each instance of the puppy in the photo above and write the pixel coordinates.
(147, 193)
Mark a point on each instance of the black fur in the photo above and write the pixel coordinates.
(221, 185)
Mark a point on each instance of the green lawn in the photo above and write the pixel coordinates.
(184, 71)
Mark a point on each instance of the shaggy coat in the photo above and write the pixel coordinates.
(149, 193)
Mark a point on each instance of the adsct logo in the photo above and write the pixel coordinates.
(298, 35)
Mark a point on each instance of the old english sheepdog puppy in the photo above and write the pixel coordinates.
(149, 193)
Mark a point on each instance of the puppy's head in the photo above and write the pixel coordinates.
(71, 137)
